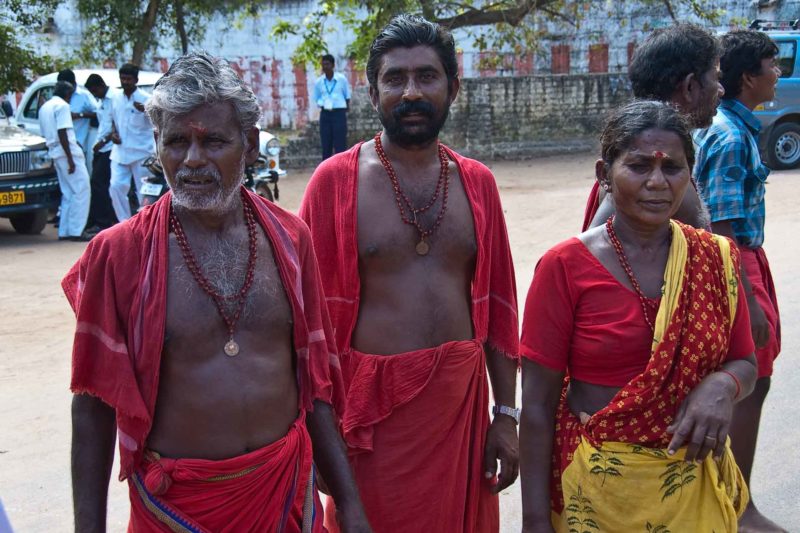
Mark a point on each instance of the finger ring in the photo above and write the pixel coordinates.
(709, 437)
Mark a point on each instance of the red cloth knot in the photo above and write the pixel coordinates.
(158, 479)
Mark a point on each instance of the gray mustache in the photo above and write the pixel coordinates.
(197, 174)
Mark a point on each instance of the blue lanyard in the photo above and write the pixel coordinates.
(325, 82)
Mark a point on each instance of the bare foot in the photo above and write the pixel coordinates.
(752, 521)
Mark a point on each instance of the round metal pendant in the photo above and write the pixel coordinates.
(423, 248)
(231, 348)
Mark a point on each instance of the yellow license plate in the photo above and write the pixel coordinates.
(12, 198)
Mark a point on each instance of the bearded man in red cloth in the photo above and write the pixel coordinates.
(203, 339)
(420, 285)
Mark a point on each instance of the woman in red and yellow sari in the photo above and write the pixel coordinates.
(636, 344)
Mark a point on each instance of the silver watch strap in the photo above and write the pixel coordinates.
(506, 410)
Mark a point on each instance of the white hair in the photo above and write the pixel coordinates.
(196, 79)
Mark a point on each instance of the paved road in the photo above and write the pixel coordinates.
(543, 200)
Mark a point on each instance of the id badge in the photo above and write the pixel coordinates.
(327, 104)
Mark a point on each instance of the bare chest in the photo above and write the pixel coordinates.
(193, 316)
(386, 239)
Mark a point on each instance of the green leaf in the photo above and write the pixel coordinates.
(670, 480)
(670, 491)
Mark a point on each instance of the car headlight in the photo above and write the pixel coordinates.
(274, 147)
(40, 160)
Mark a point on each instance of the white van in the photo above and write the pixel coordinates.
(27, 115)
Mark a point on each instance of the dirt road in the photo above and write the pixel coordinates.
(544, 202)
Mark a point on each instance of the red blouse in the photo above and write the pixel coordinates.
(578, 316)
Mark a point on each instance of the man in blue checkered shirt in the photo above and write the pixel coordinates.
(731, 180)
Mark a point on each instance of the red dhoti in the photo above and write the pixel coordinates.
(264, 490)
(415, 426)
(755, 264)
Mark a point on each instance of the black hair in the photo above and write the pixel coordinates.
(408, 31)
(130, 69)
(94, 80)
(667, 56)
(742, 52)
(328, 57)
(63, 89)
(66, 75)
(628, 121)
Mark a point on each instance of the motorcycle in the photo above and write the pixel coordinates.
(258, 177)
(155, 185)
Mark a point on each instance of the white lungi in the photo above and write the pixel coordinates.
(120, 185)
(76, 194)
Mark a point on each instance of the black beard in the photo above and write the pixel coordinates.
(400, 135)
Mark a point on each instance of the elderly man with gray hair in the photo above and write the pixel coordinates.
(203, 339)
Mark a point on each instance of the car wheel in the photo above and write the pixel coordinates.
(783, 150)
(262, 189)
(31, 223)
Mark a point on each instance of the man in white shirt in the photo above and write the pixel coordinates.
(84, 108)
(132, 138)
(55, 122)
(101, 212)
(332, 95)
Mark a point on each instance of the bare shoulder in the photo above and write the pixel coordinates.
(368, 160)
(595, 240)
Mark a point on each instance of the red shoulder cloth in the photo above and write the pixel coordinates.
(118, 292)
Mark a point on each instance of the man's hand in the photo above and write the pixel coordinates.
(139, 106)
(97, 146)
(70, 166)
(502, 443)
(758, 322)
(115, 138)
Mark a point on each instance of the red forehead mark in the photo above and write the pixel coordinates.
(658, 154)
(198, 128)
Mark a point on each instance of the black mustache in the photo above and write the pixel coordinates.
(406, 108)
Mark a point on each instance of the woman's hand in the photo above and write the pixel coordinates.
(704, 418)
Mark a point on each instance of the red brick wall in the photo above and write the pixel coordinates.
(523, 65)
(301, 94)
(631, 50)
(559, 59)
(598, 57)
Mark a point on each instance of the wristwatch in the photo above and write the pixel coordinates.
(508, 411)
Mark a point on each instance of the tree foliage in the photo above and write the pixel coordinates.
(511, 25)
(20, 21)
(132, 29)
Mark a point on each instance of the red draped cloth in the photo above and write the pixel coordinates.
(592, 205)
(259, 491)
(754, 262)
(694, 344)
(118, 291)
(415, 426)
(415, 423)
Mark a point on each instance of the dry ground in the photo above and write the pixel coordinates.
(544, 202)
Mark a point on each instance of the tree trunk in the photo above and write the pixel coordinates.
(180, 23)
(145, 31)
